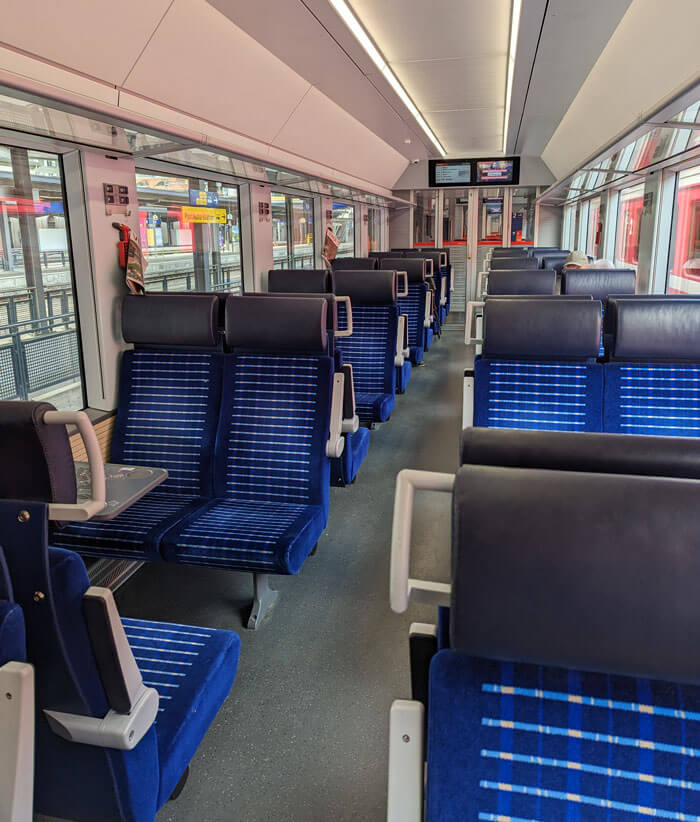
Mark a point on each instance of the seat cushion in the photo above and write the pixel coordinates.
(12, 645)
(344, 469)
(652, 398)
(268, 537)
(193, 670)
(428, 338)
(525, 742)
(417, 354)
(543, 395)
(403, 376)
(136, 534)
(374, 407)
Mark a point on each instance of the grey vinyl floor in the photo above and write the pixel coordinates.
(303, 735)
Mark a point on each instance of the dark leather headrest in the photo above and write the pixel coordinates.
(509, 252)
(555, 261)
(183, 320)
(522, 261)
(522, 282)
(610, 317)
(300, 280)
(554, 297)
(565, 329)
(664, 329)
(332, 304)
(355, 264)
(367, 287)
(564, 568)
(598, 282)
(272, 323)
(416, 269)
(446, 252)
(595, 453)
(436, 257)
(380, 255)
(37, 459)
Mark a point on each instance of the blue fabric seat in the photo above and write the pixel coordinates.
(344, 469)
(403, 376)
(372, 347)
(12, 645)
(413, 306)
(272, 475)
(652, 379)
(166, 418)
(538, 368)
(519, 741)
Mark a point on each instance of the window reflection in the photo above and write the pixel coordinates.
(344, 228)
(684, 260)
(292, 231)
(629, 221)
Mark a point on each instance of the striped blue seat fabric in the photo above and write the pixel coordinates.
(167, 415)
(413, 307)
(652, 398)
(552, 396)
(371, 350)
(271, 471)
(524, 743)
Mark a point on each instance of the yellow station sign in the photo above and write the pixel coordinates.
(199, 214)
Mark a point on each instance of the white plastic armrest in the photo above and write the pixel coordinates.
(347, 332)
(468, 400)
(474, 308)
(483, 283)
(406, 761)
(350, 425)
(443, 291)
(81, 511)
(16, 742)
(336, 443)
(400, 333)
(406, 347)
(403, 293)
(428, 318)
(479, 338)
(403, 588)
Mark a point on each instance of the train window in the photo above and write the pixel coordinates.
(684, 259)
(594, 228)
(39, 345)
(568, 222)
(629, 221)
(190, 233)
(424, 218)
(522, 226)
(344, 228)
(292, 231)
(491, 216)
(375, 229)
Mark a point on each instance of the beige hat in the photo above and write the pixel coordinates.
(576, 258)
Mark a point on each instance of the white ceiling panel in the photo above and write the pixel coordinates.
(470, 82)
(411, 29)
(83, 34)
(467, 131)
(240, 85)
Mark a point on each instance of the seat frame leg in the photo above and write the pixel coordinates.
(264, 598)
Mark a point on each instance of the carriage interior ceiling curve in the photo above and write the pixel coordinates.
(349, 420)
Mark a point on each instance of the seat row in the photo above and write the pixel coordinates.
(539, 368)
(558, 679)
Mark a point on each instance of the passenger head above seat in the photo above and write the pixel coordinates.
(367, 287)
(302, 280)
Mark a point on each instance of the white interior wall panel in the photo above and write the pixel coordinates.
(652, 54)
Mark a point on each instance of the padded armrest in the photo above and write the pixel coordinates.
(351, 421)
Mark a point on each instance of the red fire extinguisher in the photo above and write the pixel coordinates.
(123, 244)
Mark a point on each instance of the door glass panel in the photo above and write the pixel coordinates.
(594, 228)
(281, 255)
(190, 233)
(375, 226)
(491, 216)
(39, 344)
(424, 218)
(684, 259)
(629, 221)
(302, 209)
(454, 217)
(522, 227)
(344, 228)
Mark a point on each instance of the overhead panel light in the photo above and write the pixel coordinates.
(512, 49)
(348, 17)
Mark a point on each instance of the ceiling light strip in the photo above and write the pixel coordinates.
(512, 50)
(351, 21)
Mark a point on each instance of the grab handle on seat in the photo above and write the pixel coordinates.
(346, 332)
(403, 588)
(403, 293)
(81, 511)
(472, 306)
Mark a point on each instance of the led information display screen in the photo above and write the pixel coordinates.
(480, 171)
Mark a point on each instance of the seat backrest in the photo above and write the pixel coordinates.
(555, 261)
(413, 306)
(509, 252)
(522, 281)
(303, 280)
(170, 388)
(537, 369)
(522, 261)
(12, 639)
(276, 402)
(539, 254)
(371, 348)
(654, 369)
(599, 283)
(355, 263)
(49, 584)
